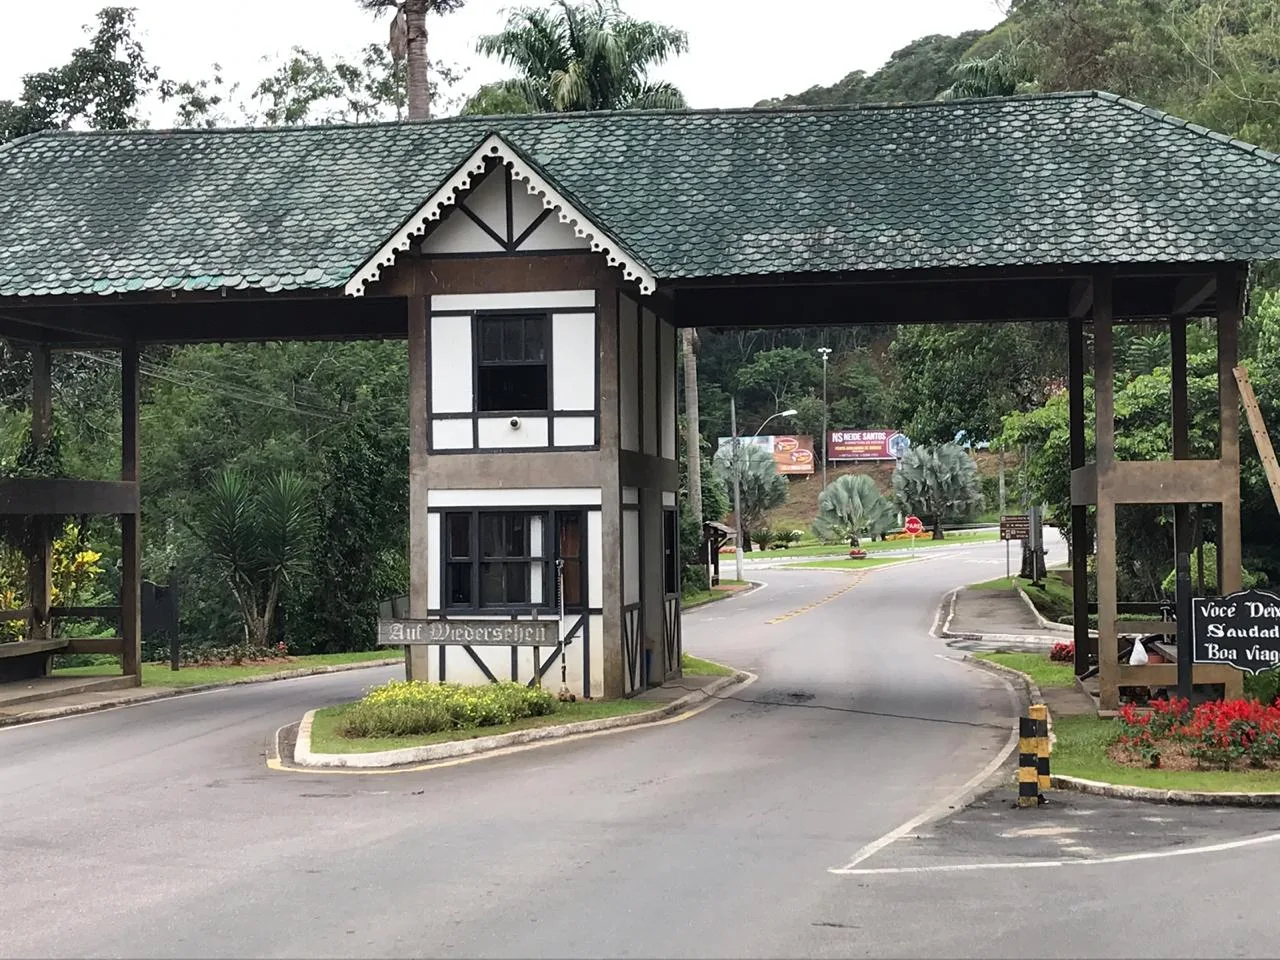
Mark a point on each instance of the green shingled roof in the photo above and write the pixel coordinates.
(1068, 178)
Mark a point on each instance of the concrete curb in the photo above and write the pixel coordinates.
(1044, 622)
(731, 595)
(304, 757)
(942, 628)
(1122, 791)
(146, 696)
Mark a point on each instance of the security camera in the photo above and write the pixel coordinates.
(515, 423)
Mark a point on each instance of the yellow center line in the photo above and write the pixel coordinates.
(854, 580)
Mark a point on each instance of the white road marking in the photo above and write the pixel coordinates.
(1092, 862)
(953, 802)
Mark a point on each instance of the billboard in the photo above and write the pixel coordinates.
(866, 445)
(791, 454)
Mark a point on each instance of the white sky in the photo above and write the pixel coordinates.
(735, 59)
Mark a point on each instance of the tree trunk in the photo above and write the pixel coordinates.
(415, 15)
(692, 428)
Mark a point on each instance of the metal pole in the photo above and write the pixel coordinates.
(737, 491)
(564, 660)
(1008, 573)
(826, 352)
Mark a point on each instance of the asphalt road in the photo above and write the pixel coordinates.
(158, 830)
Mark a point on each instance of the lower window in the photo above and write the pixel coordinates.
(507, 560)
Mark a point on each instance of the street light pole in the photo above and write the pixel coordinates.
(737, 491)
(826, 352)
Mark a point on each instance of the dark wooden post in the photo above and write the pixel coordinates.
(419, 547)
(1231, 283)
(1181, 511)
(130, 523)
(1079, 512)
(1105, 432)
(40, 557)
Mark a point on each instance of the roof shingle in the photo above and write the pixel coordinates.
(1067, 178)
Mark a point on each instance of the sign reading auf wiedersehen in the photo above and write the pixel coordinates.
(471, 633)
(1015, 527)
(1241, 630)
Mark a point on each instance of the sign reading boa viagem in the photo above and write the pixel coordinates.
(1241, 630)
(867, 445)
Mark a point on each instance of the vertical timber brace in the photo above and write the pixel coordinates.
(416, 656)
(1105, 453)
(1231, 293)
(1079, 512)
(1181, 511)
(130, 523)
(40, 555)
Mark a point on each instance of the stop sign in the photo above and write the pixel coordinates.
(913, 526)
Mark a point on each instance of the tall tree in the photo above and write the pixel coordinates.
(851, 507)
(579, 56)
(408, 42)
(101, 85)
(1002, 74)
(761, 486)
(692, 429)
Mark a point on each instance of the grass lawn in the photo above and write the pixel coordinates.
(922, 541)
(697, 598)
(848, 564)
(1081, 751)
(325, 739)
(696, 667)
(159, 674)
(1038, 666)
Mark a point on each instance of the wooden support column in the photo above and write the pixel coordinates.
(1105, 453)
(1079, 512)
(1181, 511)
(416, 657)
(1231, 287)
(40, 556)
(130, 523)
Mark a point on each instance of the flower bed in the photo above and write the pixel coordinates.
(1220, 735)
(408, 707)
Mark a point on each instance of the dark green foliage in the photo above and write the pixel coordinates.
(940, 484)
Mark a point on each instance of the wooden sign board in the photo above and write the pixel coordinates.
(471, 633)
(1015, 527)
(1241, 630)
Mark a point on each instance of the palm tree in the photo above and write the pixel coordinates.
(579, 56)
(940, 482)
(851, 507)
(761, 486)
(409, 42)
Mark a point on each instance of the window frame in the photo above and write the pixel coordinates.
(478, 319)
(550, 549)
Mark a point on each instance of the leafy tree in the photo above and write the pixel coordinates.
(693, 437)
(780, 375)
(1002, 74)
(578, 56)
(101, 85)
(259, 540)
(408, 43)
(851, 507)
(761, 487)
(939, 482)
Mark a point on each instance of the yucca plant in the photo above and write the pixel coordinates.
(259, 539)
(851, 507)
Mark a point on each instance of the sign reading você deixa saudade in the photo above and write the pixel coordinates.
(1241, 630)
(471, 633)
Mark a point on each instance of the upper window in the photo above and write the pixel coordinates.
(511, 363)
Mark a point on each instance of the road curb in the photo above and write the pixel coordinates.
(304, 757)
(1044, 622)
(147, 696)
(1122, 791)
(941, 629)
(729, 595)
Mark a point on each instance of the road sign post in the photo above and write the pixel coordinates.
(1013, 527)
(914, 527)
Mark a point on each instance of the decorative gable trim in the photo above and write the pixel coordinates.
(521, 171)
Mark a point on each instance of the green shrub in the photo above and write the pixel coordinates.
(408, 707)
(1265, 687)
(1248, 580)
(693, 579)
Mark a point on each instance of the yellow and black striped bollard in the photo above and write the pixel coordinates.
(1033, 756)
(1040, 714)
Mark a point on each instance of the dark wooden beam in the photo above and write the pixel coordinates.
(130, 522)
(90, 323)
(40, 559)
(1080, 301)
(40, 497)
(1079, 511)
(1192, 293)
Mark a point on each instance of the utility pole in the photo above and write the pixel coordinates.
(737, 489)
(826, 352)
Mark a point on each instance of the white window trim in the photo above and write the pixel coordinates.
(516, 498)
(447, 195)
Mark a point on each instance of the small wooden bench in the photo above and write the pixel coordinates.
(29, 659)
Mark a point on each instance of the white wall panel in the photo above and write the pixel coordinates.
(551, 234)
(495, 432)
(628, 379)
(649, 382)
(597, 656)
(433, 561)
(488, 201)
(451, 434)
(451, 365)
(630, 556)
(668, 498)
(573, 361)
(630, 494)
(460, 234)
(516, 497)
(525, 208)
(667, 381)
(531, 300)
(575, 431)
(595, 559)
